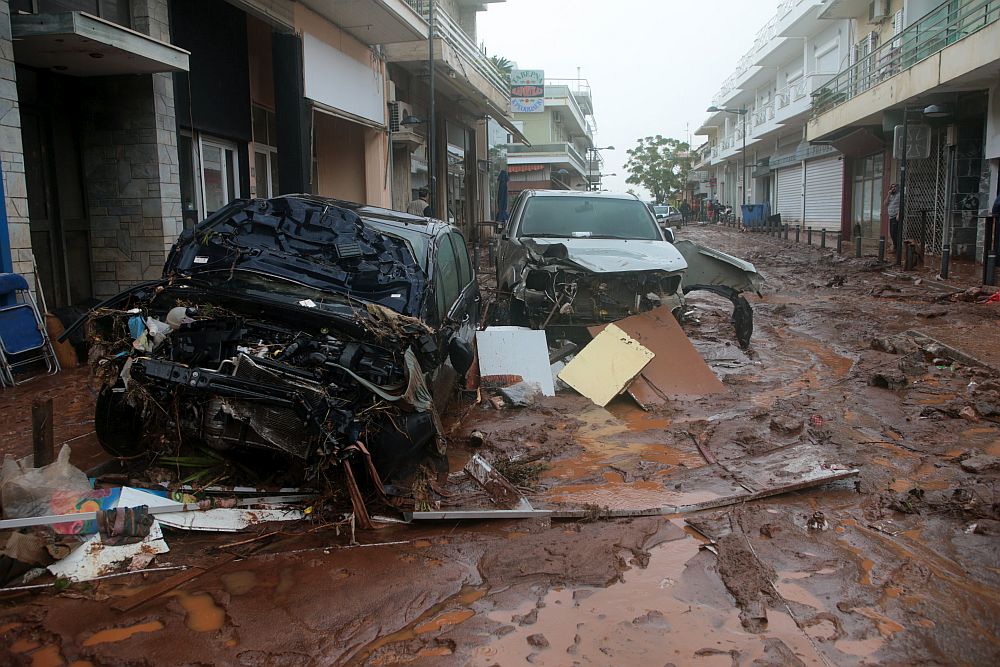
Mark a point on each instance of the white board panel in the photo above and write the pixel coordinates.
(516, 351)
(341, 82)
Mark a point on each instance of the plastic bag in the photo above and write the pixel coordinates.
(522, 394)
(27, 491)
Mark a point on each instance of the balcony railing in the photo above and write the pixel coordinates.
(559, 148)
(931, 34)
(761, 40)
(451, 32)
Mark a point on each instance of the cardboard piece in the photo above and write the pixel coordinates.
(516, 352)
(678, 369)
(608, 364)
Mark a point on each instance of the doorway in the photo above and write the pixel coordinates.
(57, 210)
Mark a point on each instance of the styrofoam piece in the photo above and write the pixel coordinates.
(516, 351)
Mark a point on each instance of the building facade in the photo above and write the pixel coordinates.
(560, 154)
(123, 122)
(826, 90)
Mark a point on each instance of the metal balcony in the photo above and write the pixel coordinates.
(930, 35)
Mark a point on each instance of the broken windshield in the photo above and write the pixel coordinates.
(588, 217)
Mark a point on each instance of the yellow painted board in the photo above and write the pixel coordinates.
(606, 365)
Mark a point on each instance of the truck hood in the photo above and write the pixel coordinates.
(607, 255)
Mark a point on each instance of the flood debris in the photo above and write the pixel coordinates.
(676, 370)
(511, 355)
(606, 366)
(283, 333)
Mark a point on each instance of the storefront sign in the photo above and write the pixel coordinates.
(527, 91)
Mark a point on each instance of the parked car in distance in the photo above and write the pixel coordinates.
(301, 325)
(569, 258)
(667, 215)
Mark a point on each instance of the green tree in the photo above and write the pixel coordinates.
(503, 65)
(659, 164)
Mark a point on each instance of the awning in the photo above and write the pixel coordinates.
(520, 168)
(498, 115)
(79, 44)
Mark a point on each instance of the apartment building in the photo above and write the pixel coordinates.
(935, 67)
(757, 150)
(559, 155)
(123, 122)
(821, 97)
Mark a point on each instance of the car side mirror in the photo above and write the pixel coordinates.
(461, 354)
(668, 232)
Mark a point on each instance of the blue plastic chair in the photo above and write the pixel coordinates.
(24, 340)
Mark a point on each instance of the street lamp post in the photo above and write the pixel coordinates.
(742, 112)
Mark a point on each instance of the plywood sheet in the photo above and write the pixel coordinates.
(607, 365)
(515, 352)
(678, 369)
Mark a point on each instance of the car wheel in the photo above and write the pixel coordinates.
(119, 426)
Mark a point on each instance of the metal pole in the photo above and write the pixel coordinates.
(822, 238)
(897, 242)
(809, 235)
(881, 249)
(840, 242)
(857, 246)
(797, 231)
(990, 251)
(946, 231)
(745, 184)
(431, 119)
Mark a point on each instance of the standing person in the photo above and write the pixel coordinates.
(709, 210)
(685, 211)
(419, 206)
(892, 208)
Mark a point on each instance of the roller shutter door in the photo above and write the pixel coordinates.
(788, 199)
(824, 192)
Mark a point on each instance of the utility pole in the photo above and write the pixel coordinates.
(431, 119)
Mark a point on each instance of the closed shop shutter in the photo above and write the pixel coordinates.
(824, 188)
(789, 194)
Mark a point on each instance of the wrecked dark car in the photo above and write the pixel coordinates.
(578, 259)
(310, 327)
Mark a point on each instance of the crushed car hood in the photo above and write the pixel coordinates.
(608, 255)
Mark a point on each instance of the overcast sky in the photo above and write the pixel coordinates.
(653, 65)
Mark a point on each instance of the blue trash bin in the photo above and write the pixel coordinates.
(753, 215)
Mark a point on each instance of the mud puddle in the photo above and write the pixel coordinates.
(668, 612)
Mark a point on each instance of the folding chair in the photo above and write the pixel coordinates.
(23, 338)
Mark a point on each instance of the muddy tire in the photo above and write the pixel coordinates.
(119, 426)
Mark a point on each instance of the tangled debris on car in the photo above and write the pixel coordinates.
(300, 326)
(582, 259)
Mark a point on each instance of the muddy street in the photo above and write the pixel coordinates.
(897, 565)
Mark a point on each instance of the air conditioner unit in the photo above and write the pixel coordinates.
(878, 10)
(397, 112)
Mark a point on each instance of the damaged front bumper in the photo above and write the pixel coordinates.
(306, 384)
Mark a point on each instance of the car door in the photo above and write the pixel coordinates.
(508, 250)
(456, 295)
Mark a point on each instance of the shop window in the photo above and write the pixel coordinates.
(265, 160)
(265, 153)
(867, 195)
(209, 175)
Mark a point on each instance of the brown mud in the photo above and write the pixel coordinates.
(899, 571)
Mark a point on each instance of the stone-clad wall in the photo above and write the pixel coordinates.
(130, 167)
(12, 152)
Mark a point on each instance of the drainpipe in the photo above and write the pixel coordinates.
(6, 262)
